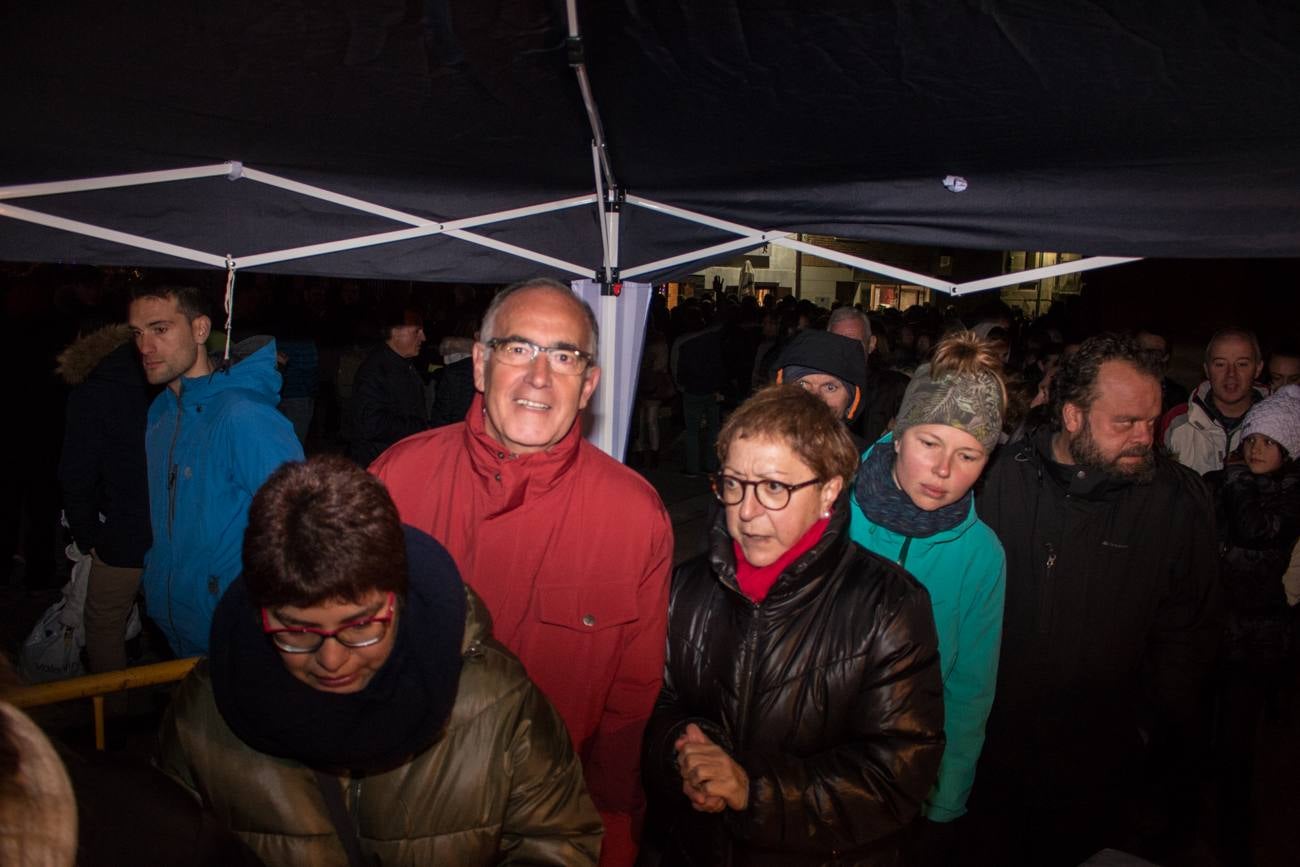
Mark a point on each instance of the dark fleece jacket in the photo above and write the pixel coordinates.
(102, 469)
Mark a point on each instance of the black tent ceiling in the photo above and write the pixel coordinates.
(1109, 128)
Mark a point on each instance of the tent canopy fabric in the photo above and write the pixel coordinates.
(1108, 128)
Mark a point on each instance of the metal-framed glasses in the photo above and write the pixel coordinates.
(517, 352)
(770, 493)
(308, 639)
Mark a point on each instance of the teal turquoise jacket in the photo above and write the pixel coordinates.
(965, 571)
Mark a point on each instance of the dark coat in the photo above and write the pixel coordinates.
(1258, 519)
(827, 693)
(453, 392)
(387, 404)
(102, 470)
(1111, 622)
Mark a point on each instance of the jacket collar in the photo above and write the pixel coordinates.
(251, 367)
(802, 578)
(1074, 480)
(523, 476)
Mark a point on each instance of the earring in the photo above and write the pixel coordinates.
(826, 514)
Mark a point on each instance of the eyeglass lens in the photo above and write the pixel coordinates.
(521, 352)
(771, 494)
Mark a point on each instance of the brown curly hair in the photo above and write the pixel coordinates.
(790, 414)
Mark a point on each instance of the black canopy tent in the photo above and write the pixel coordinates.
(420, 126)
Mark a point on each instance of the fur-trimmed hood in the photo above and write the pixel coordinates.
(82, 356)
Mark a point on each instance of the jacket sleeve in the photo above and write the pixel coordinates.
(170, 757)
(1256, 518)
(968, 689)
(613, 757)
(1183, 640)
(549, 818)
(79, 467)
(670, 717)
(261, 440)
(861, 791)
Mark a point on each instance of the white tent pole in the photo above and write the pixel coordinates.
(516, 213)
(1014, 277)
(108, 182)
(868, 265)
(268, 258)
(746, 243)
(602, 212)
(691, 216)
(523, 253)
(615, 399)
(412, 219)
(125, 238)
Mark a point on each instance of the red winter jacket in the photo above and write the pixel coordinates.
(571, 551)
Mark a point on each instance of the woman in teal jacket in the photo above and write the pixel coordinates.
(912, 504)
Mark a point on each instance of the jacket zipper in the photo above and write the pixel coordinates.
(1049, 589)
(902, 552)
(171, 501)
(171, 467)
(746, 690)
(355, 786)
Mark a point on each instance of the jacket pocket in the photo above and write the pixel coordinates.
(587, 609)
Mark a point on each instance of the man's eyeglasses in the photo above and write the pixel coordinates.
(771, 494)
(517, 352)
(308, 639)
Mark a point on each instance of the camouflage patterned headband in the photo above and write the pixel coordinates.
(969, 402)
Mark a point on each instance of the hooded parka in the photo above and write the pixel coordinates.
(827, 693)
(210, 446)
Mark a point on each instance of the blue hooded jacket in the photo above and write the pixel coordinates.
(209, 449)
(965, 570)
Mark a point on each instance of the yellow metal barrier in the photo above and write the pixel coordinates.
(96, 686)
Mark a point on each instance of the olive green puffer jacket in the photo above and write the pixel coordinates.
(502, 786)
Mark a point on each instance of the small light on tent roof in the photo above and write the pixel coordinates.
(955, 183)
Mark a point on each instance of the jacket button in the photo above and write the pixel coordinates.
(501, 455)
(497, 477)
(588, 620)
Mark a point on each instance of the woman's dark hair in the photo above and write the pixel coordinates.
(790, 414)
(322, 530)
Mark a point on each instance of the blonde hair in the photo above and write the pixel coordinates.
(963, 354)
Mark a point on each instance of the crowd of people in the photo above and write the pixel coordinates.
(975, 593)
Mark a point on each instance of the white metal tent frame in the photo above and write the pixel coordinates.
(621, 325)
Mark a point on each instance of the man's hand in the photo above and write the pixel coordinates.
(711, 779)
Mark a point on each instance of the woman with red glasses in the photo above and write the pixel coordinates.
(801, 716)
(355, 708)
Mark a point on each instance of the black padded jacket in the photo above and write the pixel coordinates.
(827, 693)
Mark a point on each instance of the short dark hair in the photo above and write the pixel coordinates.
(1076, 381)
(1241, 334)
(190, 300)
(489, 318)
(797, 417)
(397, 315)
(322, 530)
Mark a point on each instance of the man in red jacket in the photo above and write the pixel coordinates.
(570, 550)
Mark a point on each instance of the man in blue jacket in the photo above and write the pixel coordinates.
(213, 436)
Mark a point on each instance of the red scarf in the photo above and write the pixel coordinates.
(756, 581)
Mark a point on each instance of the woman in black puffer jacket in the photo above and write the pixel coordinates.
(801, 716)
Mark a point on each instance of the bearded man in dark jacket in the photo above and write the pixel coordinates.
(1110, 624)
